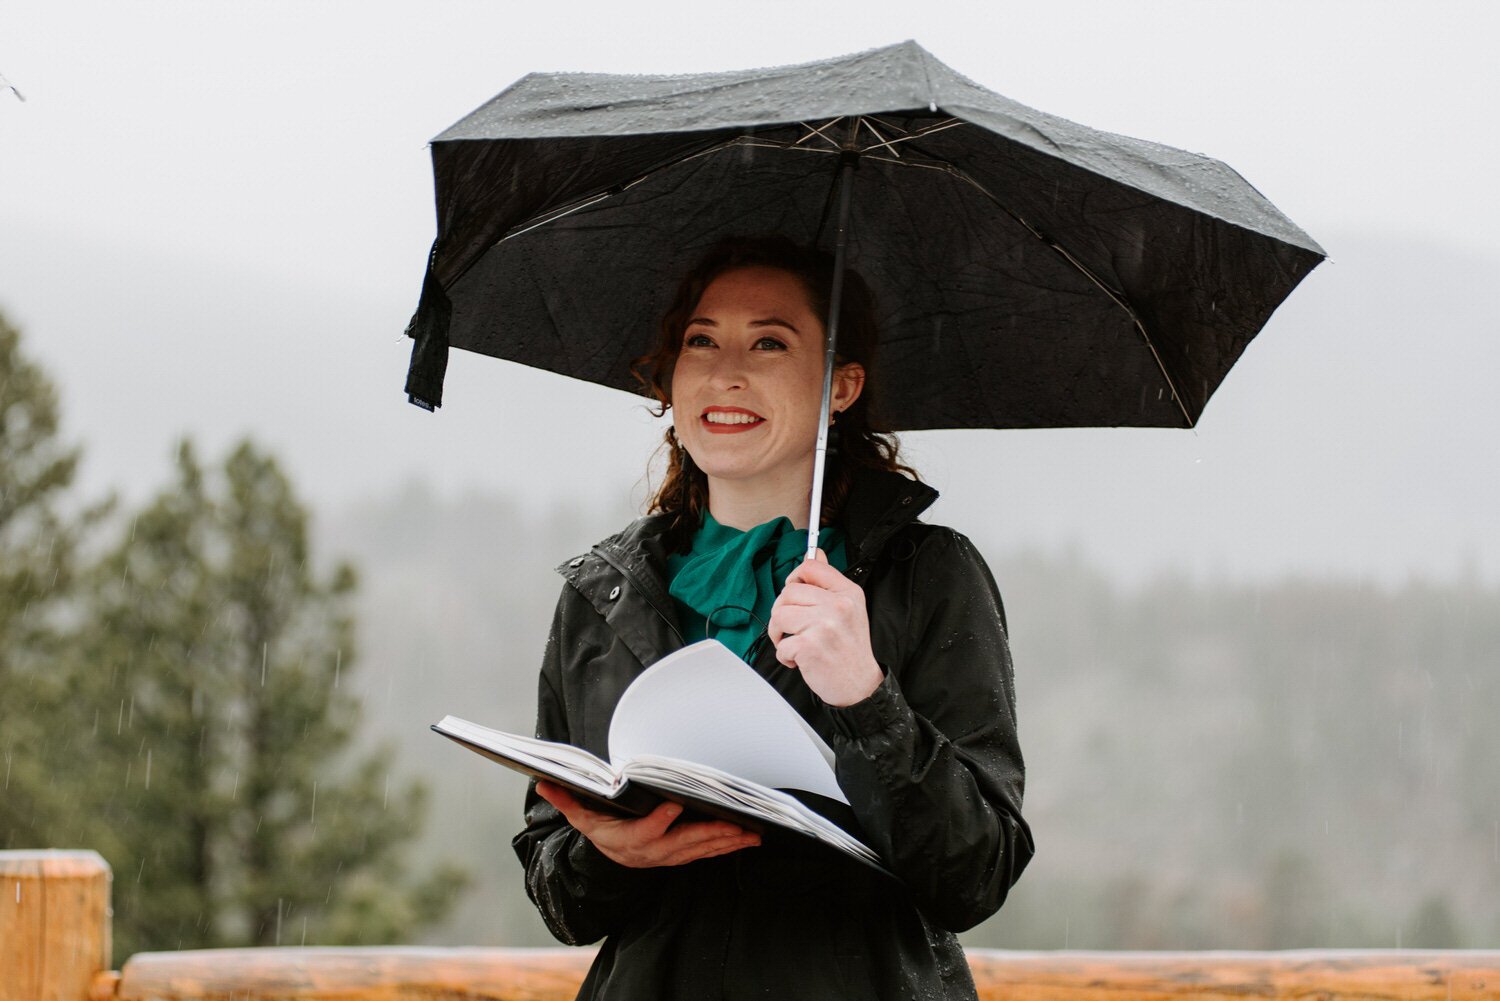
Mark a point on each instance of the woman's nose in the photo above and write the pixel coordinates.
(728, 370)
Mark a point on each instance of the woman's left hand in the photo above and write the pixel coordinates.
(819, 627)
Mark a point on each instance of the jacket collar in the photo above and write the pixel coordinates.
(640, 554)
(880, 504)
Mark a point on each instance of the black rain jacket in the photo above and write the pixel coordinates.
(930, 764)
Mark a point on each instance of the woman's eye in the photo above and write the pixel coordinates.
(769, 344)
(697, 341)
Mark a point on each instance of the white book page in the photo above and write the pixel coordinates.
(732, 791)
(704, 704)
(582, 767)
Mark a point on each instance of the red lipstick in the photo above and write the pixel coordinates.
(732, 420)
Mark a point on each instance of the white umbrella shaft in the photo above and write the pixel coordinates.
(835, 302)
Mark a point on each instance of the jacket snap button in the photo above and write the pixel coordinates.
(576, 563)
(905, 500)
(614, 593)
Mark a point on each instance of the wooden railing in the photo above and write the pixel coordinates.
(55, 941)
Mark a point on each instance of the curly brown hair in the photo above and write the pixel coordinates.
(862, 444)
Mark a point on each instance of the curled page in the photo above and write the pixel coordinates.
(704, 704)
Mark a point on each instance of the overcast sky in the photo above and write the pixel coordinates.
(213, 220)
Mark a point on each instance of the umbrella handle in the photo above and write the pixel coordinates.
(847, 162)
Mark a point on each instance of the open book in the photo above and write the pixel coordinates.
(700, 727)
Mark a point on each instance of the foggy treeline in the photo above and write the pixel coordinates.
(1211, 764)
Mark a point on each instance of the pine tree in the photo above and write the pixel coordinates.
(38, 541)
(219, 722)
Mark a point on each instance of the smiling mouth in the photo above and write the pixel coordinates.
(730, 421)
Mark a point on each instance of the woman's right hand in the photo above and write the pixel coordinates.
(652, 840)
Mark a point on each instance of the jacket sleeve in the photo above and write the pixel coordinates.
(582, 894)
(930, 761)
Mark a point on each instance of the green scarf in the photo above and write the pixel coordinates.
(728, 571)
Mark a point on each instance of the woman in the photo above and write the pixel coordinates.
(891, 645)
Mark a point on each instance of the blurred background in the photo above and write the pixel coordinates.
(1257, 662)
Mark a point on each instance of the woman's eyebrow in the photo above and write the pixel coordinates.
(771, 321)
(774, 321)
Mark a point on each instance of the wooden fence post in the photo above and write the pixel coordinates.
(54, 924)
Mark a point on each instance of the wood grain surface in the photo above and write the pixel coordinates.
(1222, 976)
(420, 974)
(388, 973)
(54, 924)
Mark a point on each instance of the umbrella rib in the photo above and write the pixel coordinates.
(887, 144)
(552, 215)
(947, 123)
(899, 135)
(1083, 269)
(557, 214)
(764, 143)
(817, 130)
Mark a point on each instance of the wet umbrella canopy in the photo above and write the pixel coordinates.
(1029, 272)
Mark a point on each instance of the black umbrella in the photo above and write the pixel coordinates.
(1030, 272)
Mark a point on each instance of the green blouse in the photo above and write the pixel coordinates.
(729, 574)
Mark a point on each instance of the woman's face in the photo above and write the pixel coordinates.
(747, 383)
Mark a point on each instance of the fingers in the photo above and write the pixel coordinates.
(586, 819)
(817, 572)
(567, 804)
(633, 842)
(820, 627)
(655, 824)
(801, 599)
(800, 593)
(653, 840)
(808, 609)
(794, 620)
(790, 624)
(787, 650)
(705, 840)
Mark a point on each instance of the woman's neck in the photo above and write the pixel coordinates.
(744, 504)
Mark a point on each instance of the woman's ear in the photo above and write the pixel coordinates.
(848, 383)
